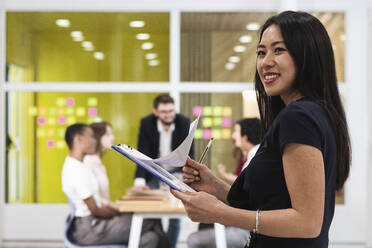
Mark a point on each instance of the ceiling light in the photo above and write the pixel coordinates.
(64, 23)
(234, 59)
(154, 62)
(239, 49)
(147, 45)
(78, 38)
(137, 24)
(88, 45)
(76, 34)
(143, 36)
(343, 37)
(150, 56)
(245, 38)
(229, 66)
(99, 55)
(253, 26)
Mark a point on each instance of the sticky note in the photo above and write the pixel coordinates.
(60, 144)
(60, 102)
(41, 120)
(42, 111)
(198, 133)
(80, 111)
(70, 111)
(52, 111)
(51, 132)
(51, 121)
(92, 102)
(70, 101)
(51, 143)
(227, 111)
(61, 132)
(226, 122)
(207, 111)
(61, 120)
(207, 122)
(197, 110)
(207, 134)
(61, 111)
(71, 120)
(216, 133)
(217, 111)
(217, 121)
(226, 133)
(92, 112)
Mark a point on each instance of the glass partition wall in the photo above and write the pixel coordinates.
(67, 67)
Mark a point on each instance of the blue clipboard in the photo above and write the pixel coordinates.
(153, 168)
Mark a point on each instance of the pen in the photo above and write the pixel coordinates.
(205, 151)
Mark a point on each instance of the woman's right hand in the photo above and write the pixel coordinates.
(201, 178)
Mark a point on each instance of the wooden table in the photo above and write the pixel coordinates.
(142, 209)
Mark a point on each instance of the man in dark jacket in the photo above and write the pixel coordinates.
(160, 133)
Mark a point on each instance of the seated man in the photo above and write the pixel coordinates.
(94, 223)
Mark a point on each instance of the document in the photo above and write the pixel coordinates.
(177, 158)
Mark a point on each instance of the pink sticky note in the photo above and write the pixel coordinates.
(226, 122)
(92, 111)
(70, 101)
(41, 120)
(207, 134)
(61, 120)
(51, 143)
(197, 110)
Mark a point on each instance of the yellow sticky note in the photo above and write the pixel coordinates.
(227, 111)
(216, 133)
(61, 102)
(226, 133)
(71, 120)
(80, 111)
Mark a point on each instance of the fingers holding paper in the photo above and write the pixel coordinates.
(200, 206)
(198, 176)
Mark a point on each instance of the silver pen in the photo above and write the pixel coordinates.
(205, 151)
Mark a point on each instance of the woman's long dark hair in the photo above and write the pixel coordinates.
(310, 47)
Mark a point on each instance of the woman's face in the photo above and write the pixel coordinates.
(107, 138)
(236, 136)
(275, 65)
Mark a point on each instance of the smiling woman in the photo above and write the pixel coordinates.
(286, 196)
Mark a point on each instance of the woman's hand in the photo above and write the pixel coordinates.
(201, 178)
(200, 206)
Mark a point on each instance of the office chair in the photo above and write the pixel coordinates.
(69, 233)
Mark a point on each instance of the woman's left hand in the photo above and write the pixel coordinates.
(200, 206)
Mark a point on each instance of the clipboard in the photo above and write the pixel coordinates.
(152, 167)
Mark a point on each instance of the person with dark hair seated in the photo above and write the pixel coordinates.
(94, 223)
(246, 135)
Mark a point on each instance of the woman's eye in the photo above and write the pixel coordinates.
(279, 50)
(260, 53)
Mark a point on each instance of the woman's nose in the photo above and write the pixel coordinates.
(268, 60)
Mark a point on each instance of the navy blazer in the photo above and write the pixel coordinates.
(148, 140)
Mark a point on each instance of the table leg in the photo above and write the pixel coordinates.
(135, 231)
(220, 234)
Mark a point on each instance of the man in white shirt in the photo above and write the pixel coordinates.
(160, 133)
(96, 224)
